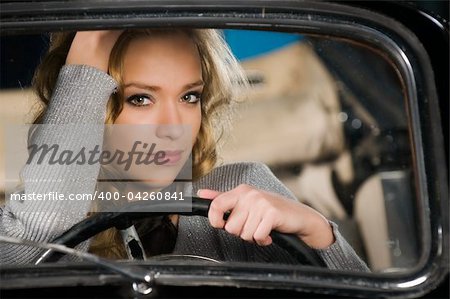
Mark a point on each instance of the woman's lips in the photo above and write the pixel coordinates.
(171, 157)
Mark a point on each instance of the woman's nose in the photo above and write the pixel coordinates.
(169, 124)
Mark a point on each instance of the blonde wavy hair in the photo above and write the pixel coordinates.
(224, 81)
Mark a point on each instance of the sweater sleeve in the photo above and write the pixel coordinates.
(340, 255)
(73, 121)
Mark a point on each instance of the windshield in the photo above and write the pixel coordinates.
(278, 126)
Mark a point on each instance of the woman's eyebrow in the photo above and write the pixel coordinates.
(142, 86)
(195, 84)
(156, 88)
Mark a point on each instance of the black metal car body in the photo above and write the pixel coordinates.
(419, 45)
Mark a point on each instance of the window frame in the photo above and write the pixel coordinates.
(308, 17)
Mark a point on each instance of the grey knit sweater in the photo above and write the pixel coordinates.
(80, 96)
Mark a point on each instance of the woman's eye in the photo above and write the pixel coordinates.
(139, 100)
(192, 97)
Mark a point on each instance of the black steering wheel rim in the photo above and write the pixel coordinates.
(124, 218)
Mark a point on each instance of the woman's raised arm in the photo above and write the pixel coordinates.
(74, 119)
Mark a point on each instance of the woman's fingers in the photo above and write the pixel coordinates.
(215, 213)
(93, 48)
(236, 221)
(255, 213)
(262, 233)
(208, 194)
(249, 227)
(215, 218)
(247, 211)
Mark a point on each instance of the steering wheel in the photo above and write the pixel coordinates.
(124, 218)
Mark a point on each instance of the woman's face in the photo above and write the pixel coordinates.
(162, 87)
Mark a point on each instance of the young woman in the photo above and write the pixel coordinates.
(171, 79)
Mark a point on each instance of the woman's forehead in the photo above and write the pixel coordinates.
(162, 57)
(171, 42)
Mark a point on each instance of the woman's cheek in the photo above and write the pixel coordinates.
(134, 115)
(126, 116)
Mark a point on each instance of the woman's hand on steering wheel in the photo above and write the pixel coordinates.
(255, 213)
